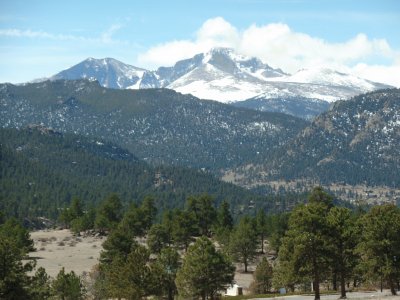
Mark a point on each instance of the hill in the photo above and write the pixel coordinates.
(356, 142)
(160, 126)
(41, 170)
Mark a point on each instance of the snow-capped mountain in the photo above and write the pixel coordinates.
(223, 75)
(110, 73)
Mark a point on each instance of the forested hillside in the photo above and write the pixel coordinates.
(158, 125)
(356, 142)
(41, 170)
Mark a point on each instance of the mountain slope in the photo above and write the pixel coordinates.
(357, 141)
(110, 73)
(42, 169)
(158, 125)
(301, 107)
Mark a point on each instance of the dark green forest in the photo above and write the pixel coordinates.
(42, 170)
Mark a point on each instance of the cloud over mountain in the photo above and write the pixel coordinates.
(280, 46)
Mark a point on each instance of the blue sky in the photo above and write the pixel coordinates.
(40, 38)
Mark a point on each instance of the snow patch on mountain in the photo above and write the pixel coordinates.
(225, 76)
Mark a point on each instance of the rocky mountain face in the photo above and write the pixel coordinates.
(225, 76)
(356, 142)
(158, 125)
(110, 73)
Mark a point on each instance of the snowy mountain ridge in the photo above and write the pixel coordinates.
(225, 76)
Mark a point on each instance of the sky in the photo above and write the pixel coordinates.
(40, 38)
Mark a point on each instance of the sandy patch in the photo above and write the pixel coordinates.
(59, 248)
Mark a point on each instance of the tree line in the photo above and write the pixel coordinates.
(190, 252)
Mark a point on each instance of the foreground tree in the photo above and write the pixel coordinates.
(40, 285)
(203, 211)
(380, 245)
(262, 277)
(68, 286)
(308, 239)
(165, 270)
(243, 242)
(15, 244)
(157, 238)
(204, 272)
(109, 214)
(261, 222)
(130, 278)
(14, 282)
(344, 241)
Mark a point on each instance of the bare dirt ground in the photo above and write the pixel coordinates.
(59, 248)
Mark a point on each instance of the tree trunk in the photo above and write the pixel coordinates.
(316, 289)
(170, 296)
(334, 280)
(316, 278)
(342, 286)
(392, 287)
(245, 265)
(203, 296)
(262, 243)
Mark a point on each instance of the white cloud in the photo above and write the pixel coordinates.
(385, 74)
(213, 33)
(106, 37)
(278, 45)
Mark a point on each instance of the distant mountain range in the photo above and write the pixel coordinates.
(227, 77)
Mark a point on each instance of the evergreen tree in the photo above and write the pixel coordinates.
(119, 243)
(183, 228)
(243, 242)
(148, 211)
(203, 211)
(158, 238)
(261, 221)
(13, 229)
(380, 244)
(15, 243)
(40, 286)
(344, 241)
(308, 237)
(133, 221)
(109, 213)
(130, 278)
(165, 270)
(14, 281)
(262, 277)
(68, 286)
(225, 219)
(204, 272)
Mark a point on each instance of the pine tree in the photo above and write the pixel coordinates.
(68, 286)
(243, 242)
(380, 244)
(307, 240)
(165, 270)
(263, 277)
(344, 238)
(204, 272)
